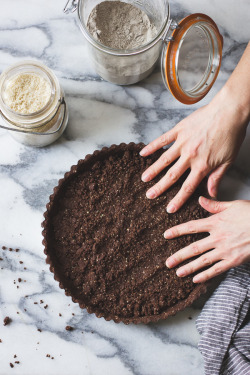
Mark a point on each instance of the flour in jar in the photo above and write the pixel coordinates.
(121, 26)
(27, 93)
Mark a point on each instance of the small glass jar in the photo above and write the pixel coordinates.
(39, 128)
(191, 50)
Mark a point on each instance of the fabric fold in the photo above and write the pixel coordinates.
(224, 326)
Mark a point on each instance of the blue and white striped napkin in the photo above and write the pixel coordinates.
(224, 326)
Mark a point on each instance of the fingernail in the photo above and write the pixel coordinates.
(150, 194)
(145, 177)
(213, 191)
(170, 263)
(180, 272)
(196, 279)
(171, 208)
(168, 234)
(143, 152)
(202, 200)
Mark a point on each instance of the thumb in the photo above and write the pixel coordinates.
(215, 178)
(213, 207)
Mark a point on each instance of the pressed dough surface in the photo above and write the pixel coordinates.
(105, 238)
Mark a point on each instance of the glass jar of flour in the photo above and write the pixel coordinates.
(191, 50)
(32, 104)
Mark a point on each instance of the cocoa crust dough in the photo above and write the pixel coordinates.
(104, 239)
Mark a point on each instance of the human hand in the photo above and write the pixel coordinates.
(206, 141)
(227, 246)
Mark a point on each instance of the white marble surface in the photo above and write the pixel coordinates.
(100, 114)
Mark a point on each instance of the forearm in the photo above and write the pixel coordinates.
(235, 95)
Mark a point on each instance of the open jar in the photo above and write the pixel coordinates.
(191, 50)
(36, 127)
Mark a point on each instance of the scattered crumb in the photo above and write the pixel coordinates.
(1, 258)
(25, 310)
(35, 303)
(41, 301)
(11, 365)
(69, 328)
(73, 314)
(15, 355)
(48, 356)
(17, 312)
(17, 250)
(10, 249)
(19, 279)
(20, 261)
(190, 318)
(17, 286)
(4, 247)
(45, 306)
(17, 362)
(6, 321)
(0, 340)
(24, 268)
(39, 330)
(60, 314)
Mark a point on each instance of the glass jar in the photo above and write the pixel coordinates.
(39, 128)
(191, 50)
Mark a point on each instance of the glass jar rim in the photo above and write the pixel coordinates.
(118, 52)
(35, 67)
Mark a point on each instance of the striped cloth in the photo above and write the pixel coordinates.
(224, 326)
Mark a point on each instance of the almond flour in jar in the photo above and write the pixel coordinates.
(27, 93)
(32, 104)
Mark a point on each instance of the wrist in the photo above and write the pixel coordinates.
(234, 102)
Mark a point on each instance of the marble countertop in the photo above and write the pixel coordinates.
(100, 114)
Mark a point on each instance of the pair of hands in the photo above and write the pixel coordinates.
(205, 142)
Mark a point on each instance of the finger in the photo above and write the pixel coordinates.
(194, 249)
(214, 207)
(163, 140)
(172, 175)
(166, 159)
(193, 226)
(213, 271)
(215, 178)
(187, 189)
(205, 260)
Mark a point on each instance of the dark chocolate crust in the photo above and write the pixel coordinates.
(104, 239)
